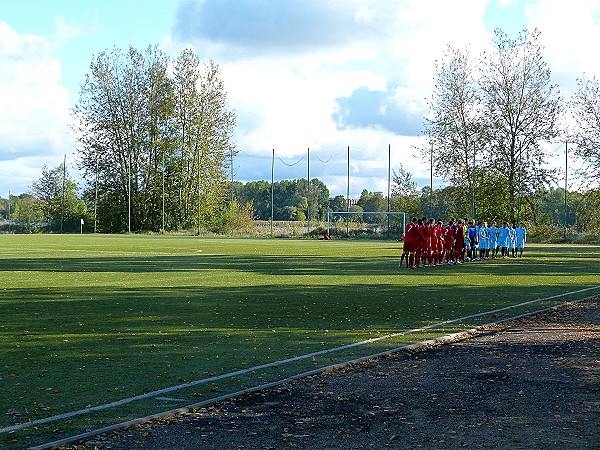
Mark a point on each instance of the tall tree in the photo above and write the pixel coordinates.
(455, 127)
(154, 147)
(108, 126)
(522, 109)
(490, 125)
(158, 141)
(26, 213)
(204, 129)
(405, 196)
(585, 106)
(338, 203)
(57, 200)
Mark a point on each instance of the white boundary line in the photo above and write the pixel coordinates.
(278, 363)
(272, 364)
(190, 408)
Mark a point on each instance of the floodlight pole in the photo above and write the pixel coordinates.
(389, 183)
(199, 192)
(348, 193)
(129, 194)
(566, 185)
(348, 183)
(272, 181)
(62, 217)
(163, 191)
(473, 183)
(520, 183)
(96, 196)
(232, 196)
(308, 190)
(431, 181)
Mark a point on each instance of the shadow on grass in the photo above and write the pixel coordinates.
(65, 348)
(581, 263)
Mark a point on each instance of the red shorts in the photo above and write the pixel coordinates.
(459, 244)
(448, 245)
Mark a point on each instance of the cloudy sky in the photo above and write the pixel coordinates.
(322, 75)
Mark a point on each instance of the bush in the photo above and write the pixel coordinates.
(555, 234)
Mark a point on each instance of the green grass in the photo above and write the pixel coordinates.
(88, 320)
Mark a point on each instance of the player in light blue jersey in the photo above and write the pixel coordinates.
(521, 232)
(493, 241)
(503, 241)
(512, 240)
(482, 237)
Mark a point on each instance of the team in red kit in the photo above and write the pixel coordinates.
(431, 243)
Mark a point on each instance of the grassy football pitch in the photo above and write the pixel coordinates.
(90, 320)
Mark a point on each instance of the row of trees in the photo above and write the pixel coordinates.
(155, 140)
(490, 118)
(284, 200)
(578, 211)
(54, 204)
(156, 147)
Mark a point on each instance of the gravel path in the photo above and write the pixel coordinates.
(532, 384)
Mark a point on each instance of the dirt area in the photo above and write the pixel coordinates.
(533, 383)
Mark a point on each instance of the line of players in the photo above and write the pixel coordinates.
(429, 243)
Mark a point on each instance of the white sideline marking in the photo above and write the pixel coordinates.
(271, 364)
(320, 370)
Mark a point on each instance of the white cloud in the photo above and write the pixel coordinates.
(570, 32)
(293, 67)
(34, 110)
(65, 32)
(286, 72)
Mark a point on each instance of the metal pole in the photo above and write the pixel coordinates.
(348, 194)
(62, 217)
(129, 195)
(431, 182)
(566, 185)
(9, 212)
(232, 197)
(348, 182)
(199, 194)
(520, 184)
(163, 191)
(308, 189)
(96, 197)
(389, 184)
(473, 183)
(272, 181)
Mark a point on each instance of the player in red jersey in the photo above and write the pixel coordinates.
(438, 242)
(459, 241)
(418, 245)
(408, 248)
(421, 242)
(430, 240)
(449, 241)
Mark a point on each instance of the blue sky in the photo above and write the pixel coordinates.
(318, 74)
